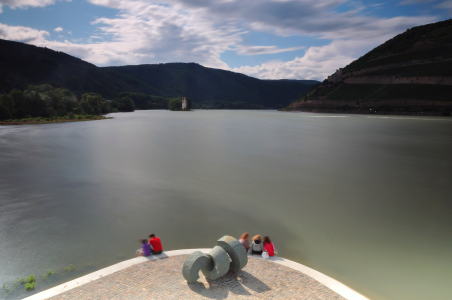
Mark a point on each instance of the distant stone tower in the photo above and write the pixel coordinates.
(184, 103)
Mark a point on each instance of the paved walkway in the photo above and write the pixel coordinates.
(162, 279)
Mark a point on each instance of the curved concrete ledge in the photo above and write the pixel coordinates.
(329, 282)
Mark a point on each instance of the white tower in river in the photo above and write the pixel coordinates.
(184, 103)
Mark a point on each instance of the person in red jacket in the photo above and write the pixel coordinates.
(268, 245)
(156, 244)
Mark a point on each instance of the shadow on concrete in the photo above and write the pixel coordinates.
(236, 283)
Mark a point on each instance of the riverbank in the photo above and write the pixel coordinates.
(406, 107)
(31, 121)
(373, 112)
(160, 277)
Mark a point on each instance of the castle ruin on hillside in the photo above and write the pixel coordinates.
(336, 77)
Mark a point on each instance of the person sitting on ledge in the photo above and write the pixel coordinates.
(268, 245)
(156, 244)
(244, 240)
(256, 245)
(145, 248)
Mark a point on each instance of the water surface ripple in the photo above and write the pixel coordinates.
(366, 200)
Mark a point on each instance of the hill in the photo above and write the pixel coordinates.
(213, 86)
(23, 64)
(410, 73)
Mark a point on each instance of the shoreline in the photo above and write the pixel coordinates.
(372, 113)
(50, 121)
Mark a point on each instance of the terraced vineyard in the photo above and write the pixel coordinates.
(415, 66)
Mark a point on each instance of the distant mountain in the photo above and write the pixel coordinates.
(213, 85)
(411, 73)
(22, 65)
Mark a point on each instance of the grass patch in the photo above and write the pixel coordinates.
(31, 279)
(50, 272)
(30, 286)
(69, 268)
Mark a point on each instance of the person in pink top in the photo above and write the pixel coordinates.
(268, 245)
(244, 241)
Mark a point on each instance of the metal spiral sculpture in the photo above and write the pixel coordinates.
(228, 255)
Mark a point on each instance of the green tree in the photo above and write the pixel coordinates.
(175, 104)
(50, 101)
(143, 101)
(37, 103)
(21, 102)
(126, 104)
(5, 107)
(94, 104)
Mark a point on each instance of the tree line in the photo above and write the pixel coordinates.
(51, 101)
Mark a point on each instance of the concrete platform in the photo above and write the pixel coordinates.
(160, 277)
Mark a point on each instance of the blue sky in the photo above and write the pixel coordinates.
(268, 39)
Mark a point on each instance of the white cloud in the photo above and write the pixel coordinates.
(317, 63)
(256, 50)
(146, 31)
(22, 34)
(58, 29)
(290, 17)
(25, 3)
(156, 33)
(189, 30)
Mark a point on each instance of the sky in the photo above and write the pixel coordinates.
(266, 39)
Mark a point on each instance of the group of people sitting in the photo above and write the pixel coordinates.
(154, 246)
(257, 244)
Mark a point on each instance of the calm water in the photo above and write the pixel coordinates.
(366, 200)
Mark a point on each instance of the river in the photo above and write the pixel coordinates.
(364, 199)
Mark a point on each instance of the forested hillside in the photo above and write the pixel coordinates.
(23, 65)
(215, 87)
